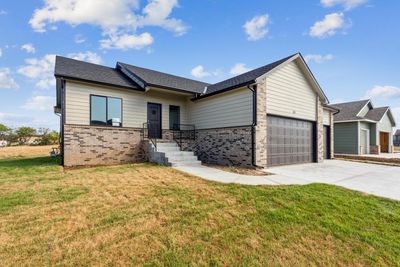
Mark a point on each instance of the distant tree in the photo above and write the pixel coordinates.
(24, 133)
(48, 137)
(4, 130)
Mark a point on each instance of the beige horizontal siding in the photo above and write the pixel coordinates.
(289, 93)
(134, 104)
(327, 117)
(228, 109)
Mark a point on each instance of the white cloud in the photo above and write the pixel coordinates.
(3, 12)
(383, 92)
(39, 103)
(16, 120)
(256, 28)
(127, 41)
(157, 12)
(42, 69)
(29, 48)
(86, 56)
(238, 69)
(328, 26)
(317, 58)
(346, 4)
(7, 82)
(117, 18)
(79, 38)
(1, 52)
(199, 72)
(11, 119)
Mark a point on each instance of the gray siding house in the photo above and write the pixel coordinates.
(273, 115)
(362, 129)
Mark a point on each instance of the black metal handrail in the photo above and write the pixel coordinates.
(182, 132)
(146, 134)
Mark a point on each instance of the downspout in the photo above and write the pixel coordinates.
(254, 124)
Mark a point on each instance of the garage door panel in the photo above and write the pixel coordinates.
(290, 141)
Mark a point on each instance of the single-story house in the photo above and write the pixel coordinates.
(273, 115)
(360, 128)
(396, 138)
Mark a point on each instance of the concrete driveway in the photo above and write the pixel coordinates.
(373, 179)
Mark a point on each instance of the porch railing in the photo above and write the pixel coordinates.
(181, 132)
(146, 136)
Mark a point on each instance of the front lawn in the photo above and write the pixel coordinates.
(151, 215)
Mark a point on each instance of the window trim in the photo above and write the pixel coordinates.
(106, 97)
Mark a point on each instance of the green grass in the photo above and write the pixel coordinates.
(156, 216)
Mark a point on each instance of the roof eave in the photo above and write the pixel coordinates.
(222, 91)
(66, 77)
(171, 89)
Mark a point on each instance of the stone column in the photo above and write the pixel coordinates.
(320, 131)
(261, 127)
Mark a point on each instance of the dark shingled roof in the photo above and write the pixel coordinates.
(130, 76)
(156, 78)
(349, 110)
(75, 69)
(397, 132)
(376, 114)
(244, 78)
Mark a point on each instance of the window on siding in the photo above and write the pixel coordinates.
(105, 111)
(174, 117)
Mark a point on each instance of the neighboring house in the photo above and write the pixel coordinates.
(362, 129)
(396, 138)
(274, 115)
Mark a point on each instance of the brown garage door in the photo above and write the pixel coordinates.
(289, 141)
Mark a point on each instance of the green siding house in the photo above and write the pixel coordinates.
(362, 129)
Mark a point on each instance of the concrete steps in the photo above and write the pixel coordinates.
(169, 153)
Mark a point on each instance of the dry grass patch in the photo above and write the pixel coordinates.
(144, 214)
(24, 151)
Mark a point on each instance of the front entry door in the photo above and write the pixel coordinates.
(384, 142)
(154, 120)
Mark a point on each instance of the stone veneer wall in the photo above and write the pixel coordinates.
(94, 145)
(222, 146)
(374, 149)
(261, 127)
(320, 131)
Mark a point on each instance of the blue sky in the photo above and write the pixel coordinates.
(352, 46)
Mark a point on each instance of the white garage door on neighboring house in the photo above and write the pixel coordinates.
(289, 141)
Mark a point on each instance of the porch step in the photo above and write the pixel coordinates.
(169, 153)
